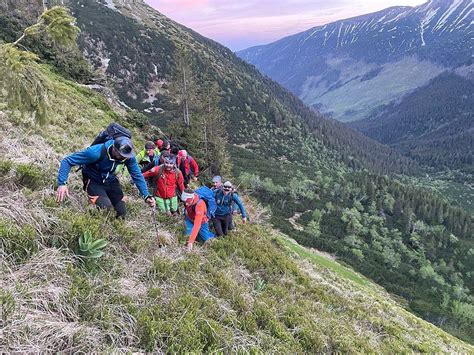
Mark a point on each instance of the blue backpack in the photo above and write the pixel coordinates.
(206, 194)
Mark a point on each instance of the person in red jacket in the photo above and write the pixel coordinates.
(196, 220)
(168, 180)
(188, 167)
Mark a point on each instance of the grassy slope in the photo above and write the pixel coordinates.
(244, 293)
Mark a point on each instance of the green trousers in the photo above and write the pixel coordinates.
(167, 204)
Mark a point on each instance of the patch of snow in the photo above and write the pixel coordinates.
(399, 16)
(424, 22)
(455, 4)
(392, 29)
(110, 4)
(155, 68)
(460, 20)
(311, 35)
(124, 104)
(105, 63)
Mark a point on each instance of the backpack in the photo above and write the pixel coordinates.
(206, 194)
(113, 130)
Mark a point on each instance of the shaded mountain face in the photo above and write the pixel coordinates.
(350, 67)
(138, 49)
(434, 124)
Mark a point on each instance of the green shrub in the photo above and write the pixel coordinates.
(18, 242)
(5, 166)
(29, 175)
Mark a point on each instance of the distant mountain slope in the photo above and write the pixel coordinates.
(349, 67)
(434, 124)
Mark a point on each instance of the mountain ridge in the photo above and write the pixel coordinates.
(316, 60)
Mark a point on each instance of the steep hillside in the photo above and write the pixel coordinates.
(304, 167)
(350, 67)
(245, 293)
(434, 124)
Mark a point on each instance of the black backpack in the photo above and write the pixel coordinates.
(113, 131)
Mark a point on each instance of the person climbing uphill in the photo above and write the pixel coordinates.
(188, 167)
(196, 219)
(99, 163)
(167, 179)
(225, 199)
(216, 183)
(148, 154)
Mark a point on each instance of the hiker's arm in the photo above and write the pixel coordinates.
(137, 176)
(180, 181)
(200, 210)
(194, 167)
(241, 206)
(149, 166)
(87, 156)
(151, 173)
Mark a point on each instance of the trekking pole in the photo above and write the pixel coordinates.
(156, 227)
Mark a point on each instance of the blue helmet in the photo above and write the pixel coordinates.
(124, 147)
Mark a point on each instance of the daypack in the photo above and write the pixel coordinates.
(206, 194)
(113, 131)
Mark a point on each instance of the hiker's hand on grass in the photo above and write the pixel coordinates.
(151, 201)
(190, 247)
(244, 220)
(195, 178)
(61, 193)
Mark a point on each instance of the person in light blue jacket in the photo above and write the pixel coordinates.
(99, 163)
(226, 199)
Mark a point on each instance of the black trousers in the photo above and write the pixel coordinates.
(106, 196)
(222, 224)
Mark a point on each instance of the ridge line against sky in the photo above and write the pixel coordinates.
(239, 24)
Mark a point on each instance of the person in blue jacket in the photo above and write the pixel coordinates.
(225, 199)
(99, 163)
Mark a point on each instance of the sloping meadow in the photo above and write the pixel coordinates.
(247, 292)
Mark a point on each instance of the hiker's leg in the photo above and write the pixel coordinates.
(97, 195)
(218, 226)
(226, 222)
(204, 233)
(115, 193)
(160, 203)
(174, 204)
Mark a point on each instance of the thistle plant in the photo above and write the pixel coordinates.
(90, 248)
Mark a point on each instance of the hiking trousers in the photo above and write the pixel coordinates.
(167, 204)
(106, 196)
(222, 224)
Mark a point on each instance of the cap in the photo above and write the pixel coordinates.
(159, 143)
(227, 184)
(124, 146)
(182, 154)
(217, 178)
(187, 194)
(150, 145)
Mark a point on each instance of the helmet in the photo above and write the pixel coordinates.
(124, 147)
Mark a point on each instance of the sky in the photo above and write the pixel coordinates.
(239, 24)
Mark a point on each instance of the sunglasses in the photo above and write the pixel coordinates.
(227, 188)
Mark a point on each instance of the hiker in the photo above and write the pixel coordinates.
(166, 180)
(225, 199)
(148, 154)
(188, 167)
(165, 146)
(216, 183)
(99, 163)
(196, 218)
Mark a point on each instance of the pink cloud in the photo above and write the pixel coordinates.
(242, 23)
